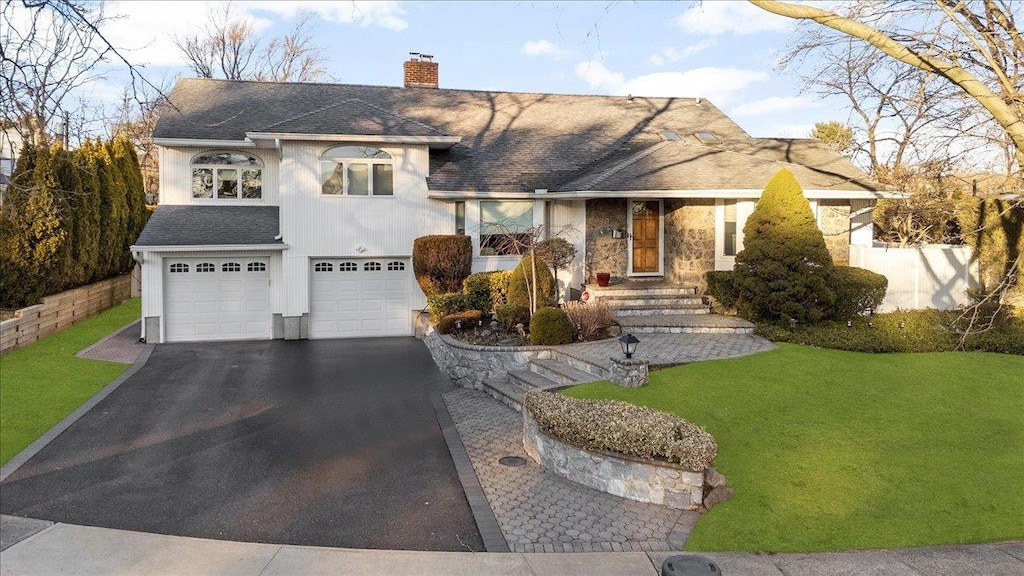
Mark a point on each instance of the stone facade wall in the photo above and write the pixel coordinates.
(469, 366)
(689, 241)
(834, 222)
(640, 481)
(604, 253)
(61, 310)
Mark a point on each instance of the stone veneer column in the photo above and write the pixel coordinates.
(834, 222)
(689, 241)
(604, 253)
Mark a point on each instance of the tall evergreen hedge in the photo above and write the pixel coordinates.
(68, 218)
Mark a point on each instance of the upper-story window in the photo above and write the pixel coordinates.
(357, 171)
(227, 175)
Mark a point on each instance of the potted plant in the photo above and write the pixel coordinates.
(603, 278)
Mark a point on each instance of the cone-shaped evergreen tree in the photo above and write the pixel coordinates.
(784, 267)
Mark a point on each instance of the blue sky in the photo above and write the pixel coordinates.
(721, 50)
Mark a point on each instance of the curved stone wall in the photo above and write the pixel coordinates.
(469, 366)
(641, 481)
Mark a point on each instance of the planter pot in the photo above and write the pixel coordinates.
(603, 278)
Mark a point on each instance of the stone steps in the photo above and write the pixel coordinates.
(561, 372)
(653, 299)
(509, 393)
(659, 309)
(599, 372)
(532, 381)
(685, 324)
(635, 289)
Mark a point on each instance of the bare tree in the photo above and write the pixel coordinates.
(230, 47)
(136, 119)
(973, 44)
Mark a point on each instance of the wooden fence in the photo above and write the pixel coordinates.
(61, 310)
(926, 277)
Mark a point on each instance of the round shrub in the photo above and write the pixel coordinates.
(468, 318)
(442, 305)
(857, 291)
(441, 263)
(550, 326)
(509, 315)
(784, 268)
(624, 428)
(521, 284)
(477, 288)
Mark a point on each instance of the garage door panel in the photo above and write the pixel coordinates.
(217, 299)
(354, 297)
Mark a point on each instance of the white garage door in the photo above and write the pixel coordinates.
(359, 297)
(216, 299)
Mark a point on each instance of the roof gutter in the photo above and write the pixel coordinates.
(212, 248)
(432, 141)
(203, 143)
(738, 193)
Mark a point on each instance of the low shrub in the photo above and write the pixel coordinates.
(521, 284)
(857, 291)
(446, 304)
(499, 287)
(509, 315)
(590, 321)
(477, 288)
(550, 326)
(468, 318)
(627, 429)
(902, 331)
(441, 263)
(721, 287)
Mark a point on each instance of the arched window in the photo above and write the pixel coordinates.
(228, 175)
(356, 171)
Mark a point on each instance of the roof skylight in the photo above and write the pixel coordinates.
(707, 137)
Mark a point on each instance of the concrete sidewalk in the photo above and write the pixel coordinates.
(84, 550)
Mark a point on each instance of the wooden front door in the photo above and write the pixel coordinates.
(644, 241)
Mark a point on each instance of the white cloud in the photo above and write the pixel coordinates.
(668, 55)
(146, 30)
(720, 85)
(543, 48)
(773, 105)
(714, 18)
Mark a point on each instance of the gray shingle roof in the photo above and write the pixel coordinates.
(511, 142)
(210, 225)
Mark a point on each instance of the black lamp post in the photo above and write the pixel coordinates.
(628, 343)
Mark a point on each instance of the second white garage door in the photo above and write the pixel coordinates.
(352, 298)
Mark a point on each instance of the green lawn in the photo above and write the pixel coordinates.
(44, 382)
(832, 450)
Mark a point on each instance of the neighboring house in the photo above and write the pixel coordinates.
(10, 147)
(289, 210)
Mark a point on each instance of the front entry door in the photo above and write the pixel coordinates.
(645, 237)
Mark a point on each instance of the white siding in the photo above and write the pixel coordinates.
(568, 220)
(314, 225)
(176, 176)
(862, 227)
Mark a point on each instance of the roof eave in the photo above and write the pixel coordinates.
(203, 142)
(816, 194)
(210, 248)
(272, 139)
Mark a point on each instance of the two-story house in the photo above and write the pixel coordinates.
(289, 210)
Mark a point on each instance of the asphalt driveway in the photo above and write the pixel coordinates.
(326, 442)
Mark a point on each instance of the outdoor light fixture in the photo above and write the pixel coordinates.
(849, 323)
(792, 323)
(628, 343)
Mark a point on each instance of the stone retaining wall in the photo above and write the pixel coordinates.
(61, 310)
(469, 366)
(641, 481)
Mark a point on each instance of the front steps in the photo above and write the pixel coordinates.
(548, 374)
(661, 307)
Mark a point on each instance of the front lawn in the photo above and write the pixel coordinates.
(43, 382)
(833, 450)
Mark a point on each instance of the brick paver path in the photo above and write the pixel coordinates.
(671, 349)
(122, 346)
(541, 512)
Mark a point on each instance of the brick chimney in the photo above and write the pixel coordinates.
(420, 71)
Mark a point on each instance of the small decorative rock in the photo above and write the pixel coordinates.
(629, 372)
(717, 496)
(714, 478)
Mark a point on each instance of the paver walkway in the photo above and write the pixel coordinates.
(122, 346)
(541, 512)
(672, 349)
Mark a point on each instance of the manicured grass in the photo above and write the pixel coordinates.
(834, 450)
(44, 382)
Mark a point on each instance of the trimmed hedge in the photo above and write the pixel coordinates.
(902, 331)
(468, 318)
(519, 289)
(857, 291)
(510, 315)
(550, 326)
(623, 428)
(441, 263)
(446, 304)
(722, 287)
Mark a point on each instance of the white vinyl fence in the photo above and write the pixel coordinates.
(936, 276)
